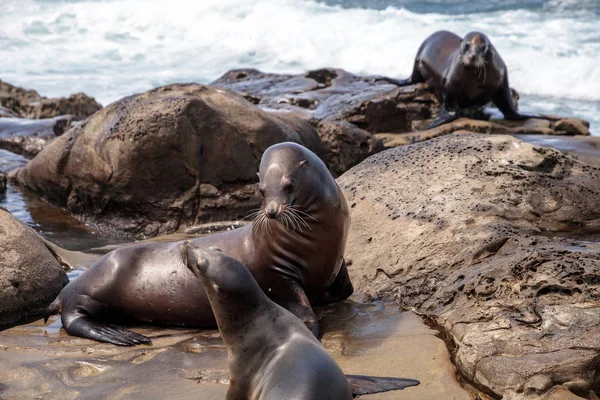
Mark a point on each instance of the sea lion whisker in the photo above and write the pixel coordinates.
(298, 218)
(252, 216)
(302, 213)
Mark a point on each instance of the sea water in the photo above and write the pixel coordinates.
(113, 48)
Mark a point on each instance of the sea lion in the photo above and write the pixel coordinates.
(271, 354)
(463, 73)
(294, 248)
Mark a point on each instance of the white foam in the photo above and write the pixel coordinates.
(112, 48)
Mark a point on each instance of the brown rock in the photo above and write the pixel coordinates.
(496, 240)
(30, 277)
(138, 165)
(29, 104)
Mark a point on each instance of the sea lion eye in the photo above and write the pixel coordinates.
(288, 187)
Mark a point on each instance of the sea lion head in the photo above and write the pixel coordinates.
(292, 181)
(475, 50)
(222, 276)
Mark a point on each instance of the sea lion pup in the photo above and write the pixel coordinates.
(294, 248)
(463, 73)
(272, 355)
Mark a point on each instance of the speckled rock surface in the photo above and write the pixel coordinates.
(495, 239)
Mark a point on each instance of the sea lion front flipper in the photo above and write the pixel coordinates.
(90, 329)
(76, 316)
(361, 384)
(504, 101)
(340, 289)
(290, 295)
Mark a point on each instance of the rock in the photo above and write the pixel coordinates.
(368, 339)
(30, 277)
(2, 183)
(6, 113)
(584, 148)
(29, 104)
(29, 136)
(494, 239)
(330, 100)
(167, 158)
(334, 100)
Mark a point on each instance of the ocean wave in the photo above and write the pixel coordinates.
(110, 48)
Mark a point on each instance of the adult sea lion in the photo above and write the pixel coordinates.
(464, 73)
(271, 354)
(294, 248)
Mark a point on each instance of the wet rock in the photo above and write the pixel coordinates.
(29, 104)
(496, 240)
(167, 158)
(30, 277)
(341, 105)
(368, 339)
(330, 100)
(29, 136)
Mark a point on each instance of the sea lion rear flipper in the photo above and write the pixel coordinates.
(443, 117)
(361, 384)
(397, 82)
(87, 328)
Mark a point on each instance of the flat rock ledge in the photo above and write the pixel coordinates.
(498, 242)
(364, 112)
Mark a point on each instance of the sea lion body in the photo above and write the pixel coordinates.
(271, 354)
(294, 249)
(463, 73)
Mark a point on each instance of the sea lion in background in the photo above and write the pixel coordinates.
(271, 354)
(294, 248)
(463, 73)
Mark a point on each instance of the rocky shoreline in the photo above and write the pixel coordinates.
(472, 224)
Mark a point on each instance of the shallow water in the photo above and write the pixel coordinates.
(53, 223)
(113, 48)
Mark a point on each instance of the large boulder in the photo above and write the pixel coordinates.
(170, 157)
(30, 277)
(19, 102)
(495, 240)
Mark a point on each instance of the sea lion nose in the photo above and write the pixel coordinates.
(272, 211)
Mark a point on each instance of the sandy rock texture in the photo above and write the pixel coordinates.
(497, 241)
(170, 157)
(30, 277)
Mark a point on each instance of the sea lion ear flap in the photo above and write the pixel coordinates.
(303, 163)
